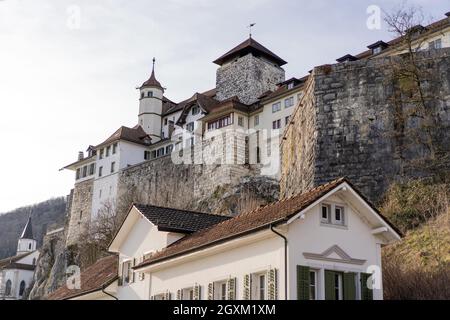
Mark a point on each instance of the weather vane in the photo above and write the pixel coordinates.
(250, 26)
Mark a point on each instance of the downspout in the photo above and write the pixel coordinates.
(108, 294)
(285, 261)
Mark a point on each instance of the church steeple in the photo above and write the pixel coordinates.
(26, 242)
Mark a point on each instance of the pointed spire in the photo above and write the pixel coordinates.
(152, 82)
(27, 232)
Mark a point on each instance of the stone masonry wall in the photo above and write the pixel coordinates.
(360, 130)
(248, 78)
(80, 210)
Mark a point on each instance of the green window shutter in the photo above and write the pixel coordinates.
(231, 294)
(329, 285)
(247, 286)
(211, 291)
(272, 284)
(366, 293)
(302, 283)
(349, 286)
(197, 292)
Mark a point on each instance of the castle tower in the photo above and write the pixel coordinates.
(150, 106)
(247, 71)
(26, 241)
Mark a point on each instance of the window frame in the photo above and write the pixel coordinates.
(313, 285)
(276, 125)
(276, 107)
(113, 167)
(256, 120)
(291, 102)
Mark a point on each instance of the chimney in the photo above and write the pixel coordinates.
(80, 155)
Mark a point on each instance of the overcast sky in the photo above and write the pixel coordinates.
(69, 69)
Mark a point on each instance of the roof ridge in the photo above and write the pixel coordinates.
(190, 211)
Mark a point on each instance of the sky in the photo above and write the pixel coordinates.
(69, 69)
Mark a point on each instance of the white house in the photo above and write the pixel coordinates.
(16, 273)
(323, 244)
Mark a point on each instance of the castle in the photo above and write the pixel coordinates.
(251, 93)
(182, 152)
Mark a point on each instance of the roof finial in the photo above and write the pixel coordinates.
(153, 68)
(250, 26)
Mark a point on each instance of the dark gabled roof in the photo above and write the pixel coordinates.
(247, 223)
(27, 232)
(282, 89)
(136, 135)
(377, 44)
(347, 57)
(175, 107)
(96, 277)
(175, 220)
(11, 260)
(250, 46)
(205, 102)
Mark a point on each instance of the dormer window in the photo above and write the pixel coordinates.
(376, 50)
(195, 110)
(290, 85)
(377, 47)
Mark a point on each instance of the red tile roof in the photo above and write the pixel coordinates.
(94, 278)
(244, 223)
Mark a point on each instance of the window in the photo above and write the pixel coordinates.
(377, 50)
(220, 290)
(220, 123)
(241, 121)
(313, 285)
(261, 287)
(159, 152)
(113, 167)
(108, 151)
(338, 215)
(165, 121)
(146, 155)
(276, 124)
(190, 126)
(29, 246)
(100, 171)
(34, 261)
(150, 94)
(169, 149)
(257, 120)
(195, 110)
(114, 148)
(276, 107)
(299, 96)
(92, 169)
(290, 85)
(78, 174)
(161, 296)
(126, 272)
(100, 156)
(21, 288)
(289, 102)
(325, 215)
(8, 288)
(286, 120)
(84, 171)
(436, 44)
(142, 95)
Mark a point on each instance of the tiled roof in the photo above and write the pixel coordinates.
(205, 102)
(94, 278)
(136, 135)
(10, 260)
(243, 223)
(174, 107)
(168, 219)
(152, 82)
(253, 46)
(394, 43)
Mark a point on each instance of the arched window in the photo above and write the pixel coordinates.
(22, 288)
(8, 288)
(29, 246)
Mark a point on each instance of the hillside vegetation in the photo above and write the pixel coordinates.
(45, 214)
(418, 267)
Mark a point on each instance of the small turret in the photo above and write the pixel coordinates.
(150, 106)
(26, 241)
